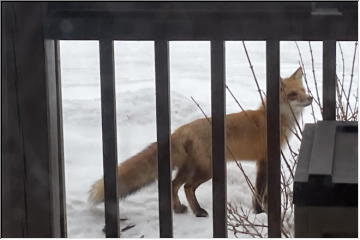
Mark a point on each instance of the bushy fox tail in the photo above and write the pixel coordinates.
(133, 174)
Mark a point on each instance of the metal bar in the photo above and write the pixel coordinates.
(273, 136)
(108, 112)
(191, 21)
(329, 80)
(63, 217)
(53, 113)
(163, 137)
(218, 137)
(13, 196)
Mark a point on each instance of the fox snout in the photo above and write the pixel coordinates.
(299, 100)
(308, 101)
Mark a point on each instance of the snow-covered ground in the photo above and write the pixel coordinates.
(135, 90)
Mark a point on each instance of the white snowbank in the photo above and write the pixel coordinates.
(135, 90)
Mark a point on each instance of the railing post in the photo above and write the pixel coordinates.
(163, 137)
(31, 203)
(273, 137)
(108, 112)
(218, 138)
(329, 80)
(62, 192)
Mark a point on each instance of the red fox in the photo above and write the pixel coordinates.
(191, 151)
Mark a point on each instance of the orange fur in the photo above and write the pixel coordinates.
(191, 150)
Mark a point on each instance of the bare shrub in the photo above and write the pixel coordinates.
(241, 220)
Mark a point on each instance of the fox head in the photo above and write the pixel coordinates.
(293, 93)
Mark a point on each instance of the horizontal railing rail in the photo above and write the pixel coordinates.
(203, 21)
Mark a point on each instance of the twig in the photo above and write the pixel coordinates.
(305, 78)
(351, 79)
(254, 75)
(128, 227)
(339, 107)
(231, 93)
(201, 110)
(241, 217)
(287, 164)
(344, 116)
(238, 103)
(295, 118)
(356, 104)
(313, 70)
(343, 68)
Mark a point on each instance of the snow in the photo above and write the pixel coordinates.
(136, 122)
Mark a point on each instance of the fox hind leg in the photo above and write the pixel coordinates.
(179, 180)
(190, 187)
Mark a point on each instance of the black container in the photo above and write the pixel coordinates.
(325, 188)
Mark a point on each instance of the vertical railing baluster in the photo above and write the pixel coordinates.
(273, 136)
(218, 137)
(109, 138)
(329, 80)
(63, 217)
(163, 136)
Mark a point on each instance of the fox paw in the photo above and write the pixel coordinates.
(201, 213)
(180, 209)
(258, 209)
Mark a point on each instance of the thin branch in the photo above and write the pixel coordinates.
(209, 120)
(231, 93)
(343, 68)
(305, 78)
(313, 71)
(253, 73)
(351, 79)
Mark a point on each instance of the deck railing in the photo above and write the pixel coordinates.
(162, 22)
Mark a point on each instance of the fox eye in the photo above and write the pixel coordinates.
(292, 94)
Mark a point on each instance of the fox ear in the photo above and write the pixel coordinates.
(282, 84)
(297, 74)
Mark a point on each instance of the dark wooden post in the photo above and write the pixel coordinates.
(63, 217)
(12, 162)
(163, 136)
(329, 80)
(31, 143)
(273, 136)
(218, 111)
(109, 138)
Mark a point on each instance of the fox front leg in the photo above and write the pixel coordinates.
(260, 198)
